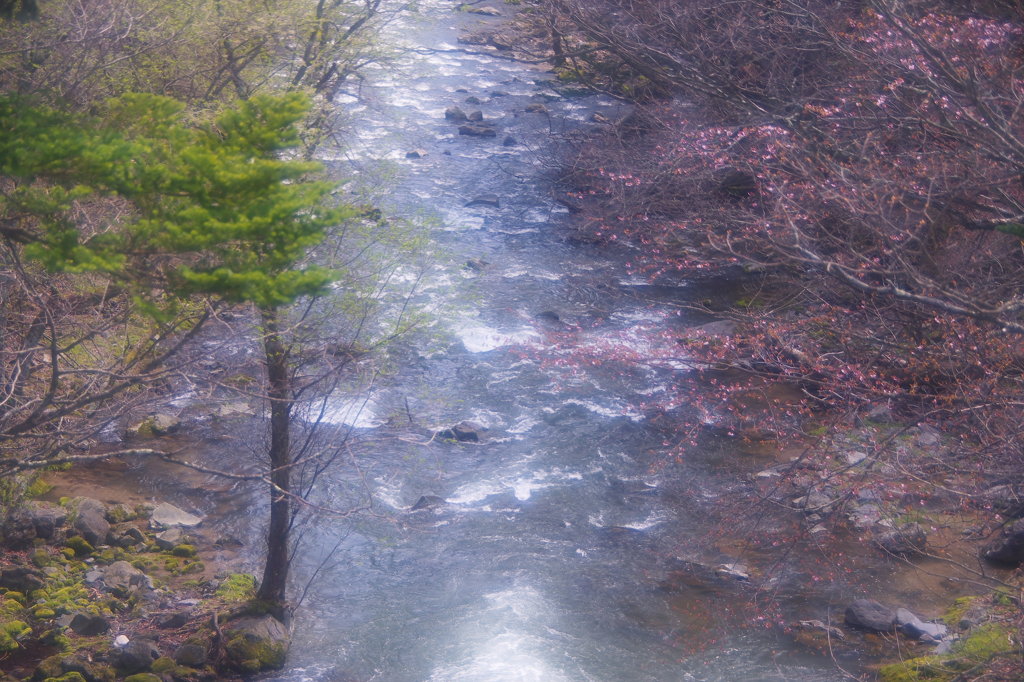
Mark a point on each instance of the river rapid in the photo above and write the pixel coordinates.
(574, 542)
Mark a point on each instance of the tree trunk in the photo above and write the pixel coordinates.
(275, 570)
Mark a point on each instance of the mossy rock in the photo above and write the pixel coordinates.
(256, 643)
(79, 545)
(143, 677)
(67, 677)
(981, 646)
(186, 551)
(10, 633)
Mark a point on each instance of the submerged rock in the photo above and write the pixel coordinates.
(478, 130)
(908, 539)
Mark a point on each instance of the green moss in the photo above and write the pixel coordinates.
(16, 596)
(68, 553)
(981, 646)
(237, 587)
(923, 669)
(985, 642)
(37, 488)
(252, 655)
(80, 545)
(955, 613)
(10, 633)
(67, 677)
(41, 558)
(143, 677)
(184, 551)
(163, 665)
(43, 613)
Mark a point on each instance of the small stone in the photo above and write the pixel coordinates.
(536, 108)
(121, 641)
(415, 154)
(830, 630)
(509, 141)
(473, 99)
(476, 116)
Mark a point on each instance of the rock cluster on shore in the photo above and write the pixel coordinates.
(108, 593)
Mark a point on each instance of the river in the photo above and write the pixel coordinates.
(574, 543)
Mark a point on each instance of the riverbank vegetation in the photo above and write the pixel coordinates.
(856, 168)
(156, 183)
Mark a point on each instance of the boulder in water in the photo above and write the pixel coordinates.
(463, 432)
(455, 115)
(429, 502)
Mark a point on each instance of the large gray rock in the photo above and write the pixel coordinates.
(47, 518)
(868, 614)
(90, 519)
(1008, 549)
(167, 515)
(122, 579)
(22, 579)
(18, 530)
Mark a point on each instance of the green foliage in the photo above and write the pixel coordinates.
(215, 209)
(237, 587)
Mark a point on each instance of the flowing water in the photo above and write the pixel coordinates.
(561, 551)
